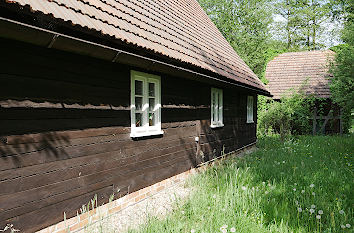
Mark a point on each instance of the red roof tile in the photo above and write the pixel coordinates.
(291, 70)
(177, 29)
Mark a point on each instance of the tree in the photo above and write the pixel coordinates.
(245, 25)
(304, 22)
(342, 85)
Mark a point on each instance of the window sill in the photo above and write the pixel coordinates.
(217, 126)
(250, 122)
(146, 134)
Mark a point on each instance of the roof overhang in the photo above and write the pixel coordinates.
(12, 29)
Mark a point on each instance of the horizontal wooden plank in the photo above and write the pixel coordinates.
(48, 195)
(107, 161)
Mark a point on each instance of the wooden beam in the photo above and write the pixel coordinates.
(341, 121)
(314, 121)
(325, 122)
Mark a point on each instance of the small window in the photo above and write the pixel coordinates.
(145, 104)
(216, 108)
(250, 109)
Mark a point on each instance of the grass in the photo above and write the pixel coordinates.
(274, 189)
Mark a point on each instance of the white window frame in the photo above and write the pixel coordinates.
(145, 130)
(250, 106)
(217, 108)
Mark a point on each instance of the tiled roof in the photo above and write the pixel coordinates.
(179, 30)
(291, 70)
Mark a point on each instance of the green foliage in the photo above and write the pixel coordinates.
(289, 116)
(245, 25)
(342, 86)
(305, 22)
(271, 190)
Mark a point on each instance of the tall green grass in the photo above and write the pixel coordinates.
(304, 184)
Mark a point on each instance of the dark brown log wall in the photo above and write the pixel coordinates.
(64, 131)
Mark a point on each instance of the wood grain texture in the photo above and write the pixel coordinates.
(65, 133)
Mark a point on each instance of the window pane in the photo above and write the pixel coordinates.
(138, 119)
(151, 119)
(138, 87)
(151, 104)
(152, 89)
(138, 103)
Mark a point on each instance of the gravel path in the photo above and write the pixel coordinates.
(131, 217)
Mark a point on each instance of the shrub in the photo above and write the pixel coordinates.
(289, 116)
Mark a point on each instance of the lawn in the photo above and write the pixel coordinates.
(304, 184)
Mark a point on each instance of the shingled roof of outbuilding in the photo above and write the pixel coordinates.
(179, 30)
(306, 70)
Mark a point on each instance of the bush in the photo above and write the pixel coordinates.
(289, 116)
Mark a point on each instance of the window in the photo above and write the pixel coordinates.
(250, 109)
(216, 108)
(145, 104)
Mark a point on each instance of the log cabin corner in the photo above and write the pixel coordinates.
(100, 96)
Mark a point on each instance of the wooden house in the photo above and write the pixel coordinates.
(100, 96)
(306, 71)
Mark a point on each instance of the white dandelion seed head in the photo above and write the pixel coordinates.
(295, 184)
(283, 161)
(313, 206)
(342, 226)
(214, 196)
(320, 212)
(302, 191)
(312, 185)
(263, 183)
(296, 202)
(313, 193)
(232, 229)
(266, 192)
(347, 225)
(299, 209)
(318, 216)
(223, 230)
(294, 189)
(244, 188)
(192, 231)
(341, 211)
(224, 226)
(269, 184)
(312, 211)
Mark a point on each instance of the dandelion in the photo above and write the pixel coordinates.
(266, 192)
(192, 231)
(263, 183)
(318, 216)
(223, 229)
(320, 212)
(312, 185)
(232, 229)
(294, 189)
(296, 202)
(283, 161)
(341, 211)
(269, 184)
(348, 225)
(302, 191)
(299, 209)
(214, 196)
(312, 211)
(244, 188)
(342, 226)
(313, 206)
(295, 184)
(313, 193)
